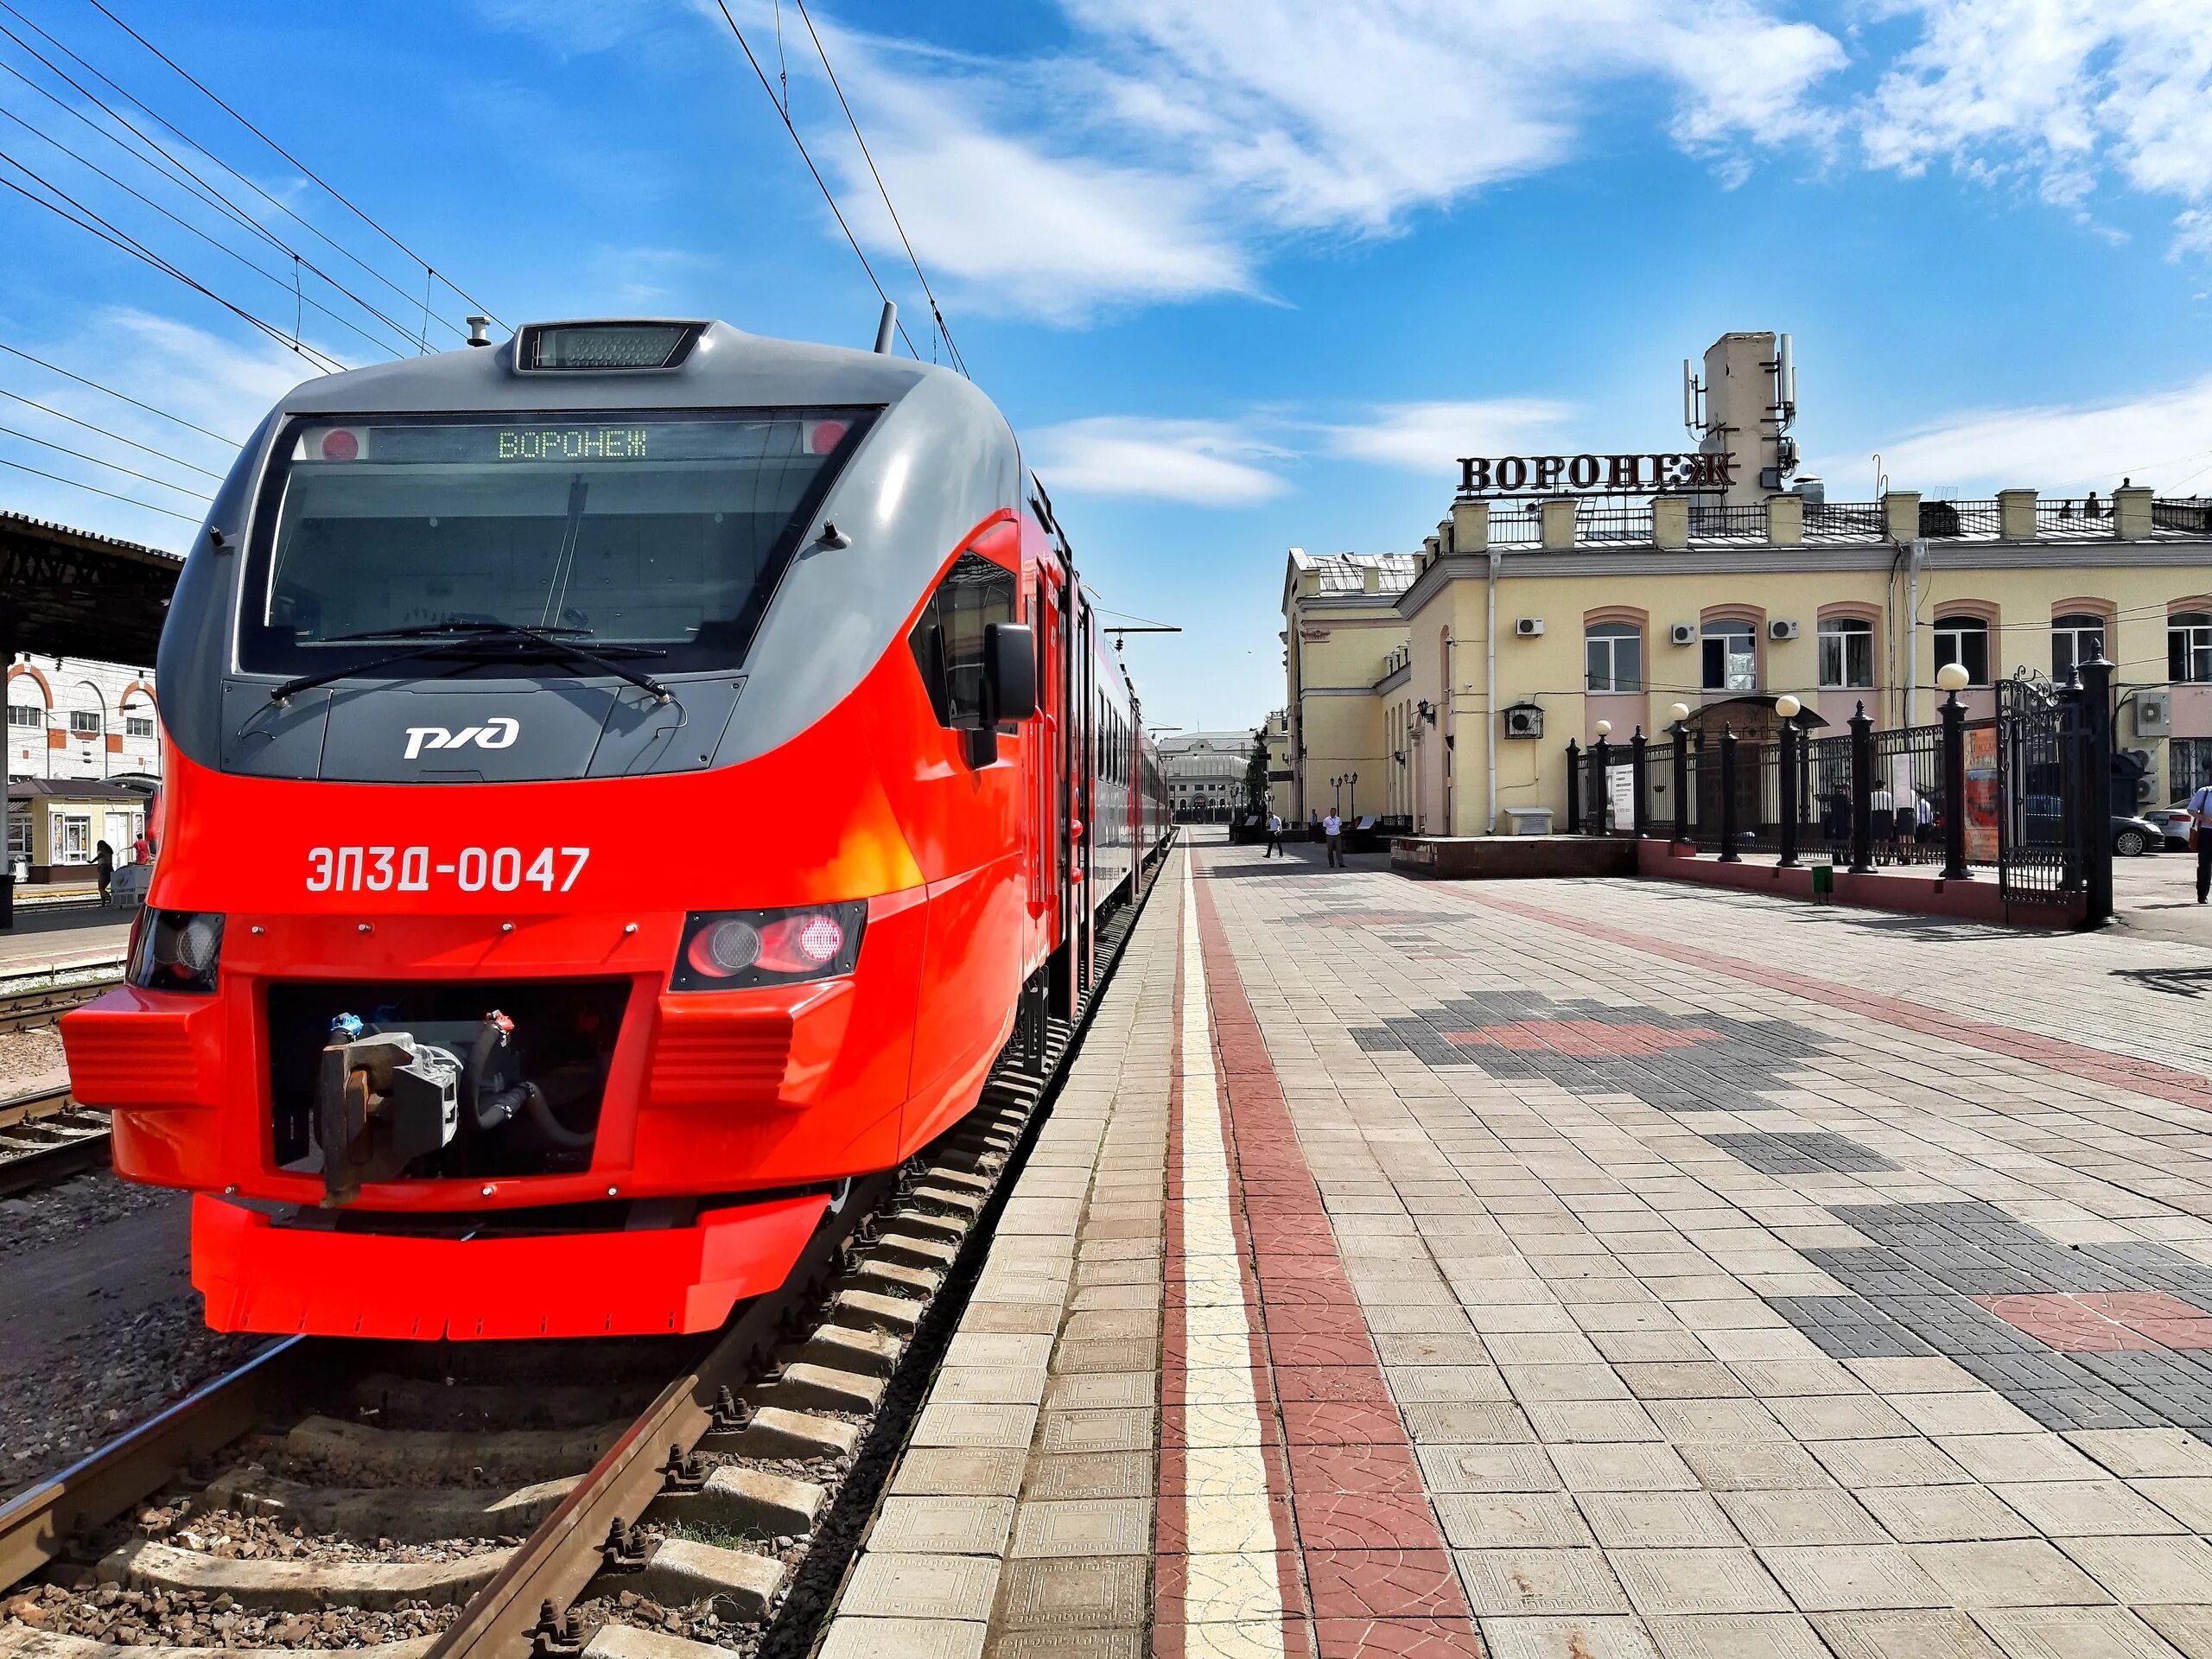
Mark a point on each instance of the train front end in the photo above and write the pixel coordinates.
(570, 822)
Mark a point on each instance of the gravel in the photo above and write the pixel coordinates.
(25, 1056)
(53, 1215)
(159, 1618)
(231, 1536)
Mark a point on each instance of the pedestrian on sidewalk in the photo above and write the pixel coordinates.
(2200, 838)
(1332, 827)
(1274, 836)
(104, 863)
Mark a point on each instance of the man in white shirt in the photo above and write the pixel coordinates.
(2200, 836)
(1332, 829)
(1274, 835)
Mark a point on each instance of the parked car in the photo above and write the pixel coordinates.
(2173, 821)
(2132, 838)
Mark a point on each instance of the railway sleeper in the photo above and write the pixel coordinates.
(750, 1501)
(301, 1586)
(417, 1453)
(778, 1432)
(435, 1403)
(864, 1310)
(895, 1279)
(20, 1642)
(627, 1642)
(871, 1353)
(680, 1571)
(915, 1223)
(818, 1388)
(409, 1515)
(915, 1252)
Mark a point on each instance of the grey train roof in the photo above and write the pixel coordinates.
(939, 460)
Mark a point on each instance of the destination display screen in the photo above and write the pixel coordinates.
(476, 442)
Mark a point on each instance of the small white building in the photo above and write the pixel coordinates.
(71, 719)
(1205, 773)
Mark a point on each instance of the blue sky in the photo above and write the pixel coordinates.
(1245, 277)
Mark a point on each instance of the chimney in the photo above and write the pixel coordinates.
(1744, 416)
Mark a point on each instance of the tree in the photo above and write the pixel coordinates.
(1255, 776)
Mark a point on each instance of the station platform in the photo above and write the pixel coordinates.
(1573, 1270)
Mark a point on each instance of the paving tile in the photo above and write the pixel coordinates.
(2071, 1633)
(2021, 1572)
(920, 1588)
(1737, 1636)
(1859, 1464)
(1656, 1520)
(1091, 1526)
(1102, 1593)
(2147, 1569)
(1511, 1521)
(854, 1638)
(2135, 1453)
(2189, 1628)
(1829, 1577)
(1662, 1581)
(942, 1526)
(1592, 1638)
(2086, 1508)
(1918, 1633)
(1932, 1515)
(1618, 1467)
(1446, 1470)
(1758, 1466)
(1820, 1515)
(1508, 1582)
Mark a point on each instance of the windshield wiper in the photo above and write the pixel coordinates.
(485, 642)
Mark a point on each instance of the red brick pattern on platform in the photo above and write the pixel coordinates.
(2142, 1077)
(2105, 1322)
(1378, 1579)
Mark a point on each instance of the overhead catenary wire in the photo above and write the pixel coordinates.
(821, 183)
(308, 172)
(63, 449)
(179, 172)
(96, 490)
(121, 396)
(94, 225)
(220, 247)
(937, 313)
(60, 415)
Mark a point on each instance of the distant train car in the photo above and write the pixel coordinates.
(623, 785)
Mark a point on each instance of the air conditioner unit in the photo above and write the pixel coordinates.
(1683, 633)
(2154, 715)
(1529, 626)
(1780, 628)
(1524, 720)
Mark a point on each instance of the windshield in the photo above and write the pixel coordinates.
(666, 532)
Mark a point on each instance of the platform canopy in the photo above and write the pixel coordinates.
(68, 593)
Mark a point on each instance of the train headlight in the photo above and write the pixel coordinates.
(733, 949)
(177, 949)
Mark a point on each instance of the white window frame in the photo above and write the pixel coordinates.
(1606, 638)
(1844, 631)
(2189, 647)
(1951, 634)
(1734, 680)
(68, 828)
(78, 717)
(2072, 627)
(27, 716)
(133, 722)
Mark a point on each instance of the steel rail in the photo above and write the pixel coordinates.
(26, 1171)
(36, 1525)
(564, 1553)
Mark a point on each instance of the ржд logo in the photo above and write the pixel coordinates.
(498, 733)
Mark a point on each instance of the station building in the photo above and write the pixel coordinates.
(1525, 621)
(1205, 773)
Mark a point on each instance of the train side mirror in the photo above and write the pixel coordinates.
(1010, 672)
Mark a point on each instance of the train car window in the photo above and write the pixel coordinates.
(947, 637)
(656, 529)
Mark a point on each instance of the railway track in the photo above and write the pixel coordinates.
(45, 1138)
(535, 1501)
(29, 999)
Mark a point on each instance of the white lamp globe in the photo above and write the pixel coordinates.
(1604, 729)
(1953, 676)
(1788, 707)
(1678, 711)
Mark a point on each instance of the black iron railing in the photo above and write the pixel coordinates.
(1844, 521)
(2074, 515)
(1716, 523)
(1612, 521)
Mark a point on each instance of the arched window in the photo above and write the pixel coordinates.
(2076, 638)
(1731, 655)
(1615, 650)
(1846, 646)
(1964, 640)
(2189, 647)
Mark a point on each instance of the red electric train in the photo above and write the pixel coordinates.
(624, 785)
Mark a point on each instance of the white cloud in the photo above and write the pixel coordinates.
(1201, 463)
(1425, 436)
(2163, 439)
(1170, 147)
(2056, 91)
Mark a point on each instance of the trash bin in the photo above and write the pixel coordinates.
(7, 898)
(1529, 820)
(1823, 881)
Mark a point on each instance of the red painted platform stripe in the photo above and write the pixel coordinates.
(1379, 1579)
(2142, 1077)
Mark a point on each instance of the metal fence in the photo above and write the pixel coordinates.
(1515, 525)
(2193, 514)
(2069, 517)
(2018, 795)
(1845, 521)
(1946, 518)
(1606, 520)
(1711, 522)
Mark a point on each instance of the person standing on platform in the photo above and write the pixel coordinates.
(2200, 838)
(142, 851)
(1332, 829)
(1275, 835)
(104, 862)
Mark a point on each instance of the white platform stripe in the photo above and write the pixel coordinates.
(1232, 1604)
